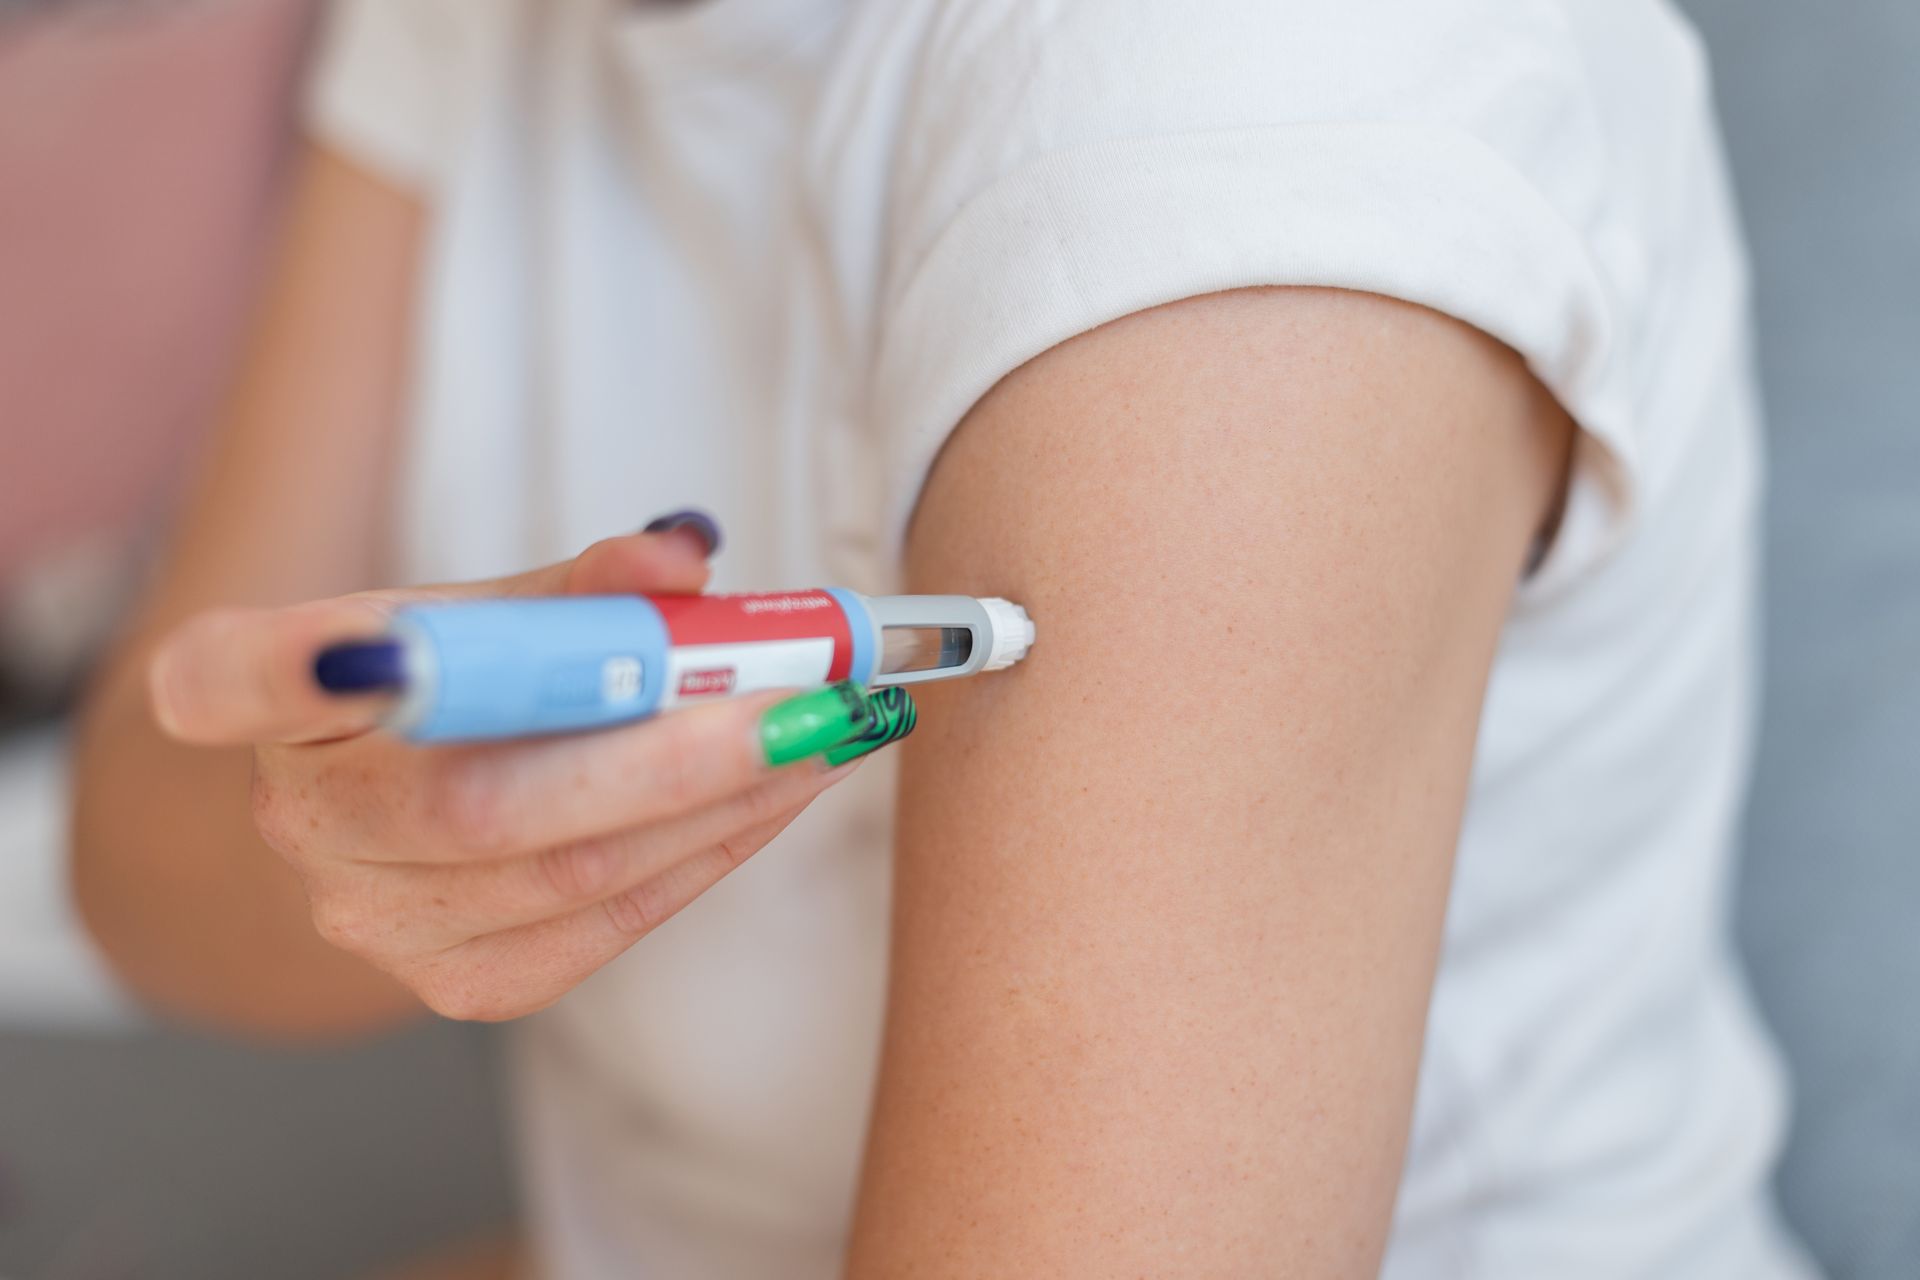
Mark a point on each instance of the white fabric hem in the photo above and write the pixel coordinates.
(1427, 215)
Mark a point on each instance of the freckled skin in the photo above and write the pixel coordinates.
(1169, 892)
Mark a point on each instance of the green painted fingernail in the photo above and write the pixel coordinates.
(893, 715)
(810, 723)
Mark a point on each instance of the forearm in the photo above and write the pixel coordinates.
(178, 889)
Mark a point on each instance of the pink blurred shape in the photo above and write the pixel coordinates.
(139, 148)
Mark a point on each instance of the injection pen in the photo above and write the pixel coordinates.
(484, 669)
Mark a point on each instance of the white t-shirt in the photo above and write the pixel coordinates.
(762, 255)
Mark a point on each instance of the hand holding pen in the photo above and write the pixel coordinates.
(491, 878)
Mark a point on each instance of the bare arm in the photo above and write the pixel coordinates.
(1169, 893)
(176, 885)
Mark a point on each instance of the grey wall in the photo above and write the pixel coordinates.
(167, 1157)
(1821, 100)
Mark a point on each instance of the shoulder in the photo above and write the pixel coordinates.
(391, 77)
(1063, 72)
(1538, 89)
(1060, 165)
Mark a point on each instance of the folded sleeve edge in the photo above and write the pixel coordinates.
(362, 96)
(1086, 235)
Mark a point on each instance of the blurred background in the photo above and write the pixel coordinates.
(141, 155)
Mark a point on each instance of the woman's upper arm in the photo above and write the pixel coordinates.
(1170, 892)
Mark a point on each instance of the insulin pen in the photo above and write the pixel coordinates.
(473, 670)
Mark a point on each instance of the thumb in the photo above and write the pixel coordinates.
(234, 676)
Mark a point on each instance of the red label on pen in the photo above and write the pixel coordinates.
(758, 618)
(701, 684)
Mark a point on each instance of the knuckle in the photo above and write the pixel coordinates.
(736, 849)
(466, 807)
(677, 773)
(446, 993)
(447, 1000)
(460, 995)
(764, 803)
(342, 920)
(337, 924)
(579, 572)
(575, 872)
(635, 913)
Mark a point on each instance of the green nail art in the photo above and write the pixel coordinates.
(810, 723)
(893, 717)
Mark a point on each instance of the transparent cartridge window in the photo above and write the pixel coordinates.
(904, 649)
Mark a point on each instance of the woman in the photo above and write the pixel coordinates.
(1356, 394)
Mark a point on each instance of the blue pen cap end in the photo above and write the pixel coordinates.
(361, 666)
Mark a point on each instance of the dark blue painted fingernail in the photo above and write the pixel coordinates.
(361, 666)
(692, 518)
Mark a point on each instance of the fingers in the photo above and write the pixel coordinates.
(668, 561)
(490, 938)
(489, 897)
(246, 675)
(672, 561)
(516, 798)
(521, 971)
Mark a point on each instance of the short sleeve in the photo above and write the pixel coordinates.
(1064, 166)
(383, 81)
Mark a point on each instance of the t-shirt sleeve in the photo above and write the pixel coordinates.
(383, 82)
(1066, 164)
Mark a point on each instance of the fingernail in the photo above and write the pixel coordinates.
(695, 521)
(360, 666)
(810, 723)
(892, 715)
